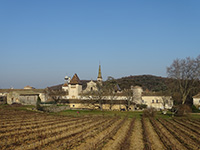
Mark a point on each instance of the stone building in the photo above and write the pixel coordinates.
(75, 87)
(119, 100)
(91, 86)
(87, 98)
(23, 96)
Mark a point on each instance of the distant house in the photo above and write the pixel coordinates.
(28, 87)
(158, 102)
(23, 96)
(196, 100)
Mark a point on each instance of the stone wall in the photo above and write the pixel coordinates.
(55, 108)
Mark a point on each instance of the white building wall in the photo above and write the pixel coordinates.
(137, 94)
(74, 91)
(65, 88)
(196, 101)
(158, 101)
(90, 85)
(43, 97)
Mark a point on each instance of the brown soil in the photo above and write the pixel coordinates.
(154, 139)
(167, 138)
(178, 134)
(117, 140)
(93, 143)
(137, 138)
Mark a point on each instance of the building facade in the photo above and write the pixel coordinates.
(196, 100)
(91, 96)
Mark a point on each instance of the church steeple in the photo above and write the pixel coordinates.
(99, 78)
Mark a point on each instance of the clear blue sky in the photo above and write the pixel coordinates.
(42, 41)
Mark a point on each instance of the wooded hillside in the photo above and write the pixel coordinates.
(147, 82)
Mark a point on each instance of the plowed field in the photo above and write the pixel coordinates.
(30, 130)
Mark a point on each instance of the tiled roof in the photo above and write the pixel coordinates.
(75, 80)
(65, 84)
(197, 96)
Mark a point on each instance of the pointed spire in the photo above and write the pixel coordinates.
(99, 78)
(99, 75)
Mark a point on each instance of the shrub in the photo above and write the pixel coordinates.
(183, 110)
(38, 107)
(16, 104)
(141, 106)
(49, 102)
(150, 112)
(195, 109)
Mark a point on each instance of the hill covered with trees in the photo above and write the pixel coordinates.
(147, 82)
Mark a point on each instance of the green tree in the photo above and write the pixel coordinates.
(129, 98)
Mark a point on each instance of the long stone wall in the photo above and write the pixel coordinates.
(55, 108)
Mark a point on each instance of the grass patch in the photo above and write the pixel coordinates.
(74, 113)
(168, 115)
(194, 115)
(16, 107)
(130, 114)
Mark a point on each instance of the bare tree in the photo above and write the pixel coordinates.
(166, 101)
(100, 94)
(110, 90)
(95, 98)
(186, 73)
(129, 98)
(56, 95)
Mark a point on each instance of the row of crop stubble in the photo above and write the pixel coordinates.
(30, 130)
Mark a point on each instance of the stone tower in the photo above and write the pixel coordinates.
(99, 78)
(75, 87)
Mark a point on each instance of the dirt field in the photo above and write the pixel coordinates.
(21, 129)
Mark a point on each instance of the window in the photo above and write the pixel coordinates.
(91, 89)
(152, 101)
(142, 101)
(73, 105)
(199, 101)
(156, 101)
